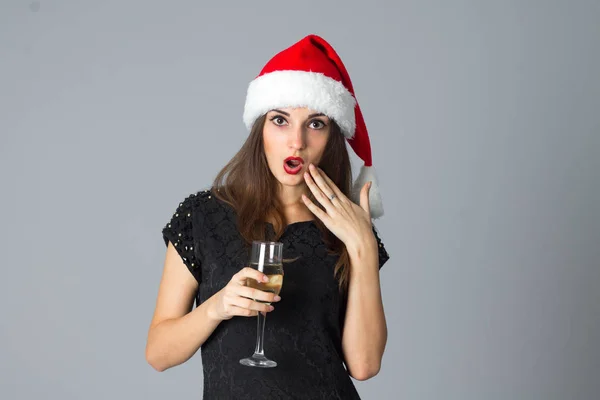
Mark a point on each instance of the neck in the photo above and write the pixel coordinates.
(291, 196)
(294, 208)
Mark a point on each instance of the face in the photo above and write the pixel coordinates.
(293, 139)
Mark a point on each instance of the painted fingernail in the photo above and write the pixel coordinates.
(277, 298)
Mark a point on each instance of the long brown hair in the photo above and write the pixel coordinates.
(247, 184)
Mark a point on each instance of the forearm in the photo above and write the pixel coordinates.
(365, 331)
(172, 342)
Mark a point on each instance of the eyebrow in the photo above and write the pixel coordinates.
(310, 116)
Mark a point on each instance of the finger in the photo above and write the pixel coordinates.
(250, 304)
(322, 215)
(253, 273)
(341, 200)
(242, 312)
(321, 183)
(364, 197)
(256, 294)
(318, 193)
(340, 195)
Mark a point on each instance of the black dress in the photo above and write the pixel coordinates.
(302, 334)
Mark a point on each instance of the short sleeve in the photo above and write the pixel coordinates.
(383, 254)
(180, 231)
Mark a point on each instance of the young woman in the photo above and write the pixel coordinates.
(290, 182)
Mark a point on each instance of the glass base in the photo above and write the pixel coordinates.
(258, 361)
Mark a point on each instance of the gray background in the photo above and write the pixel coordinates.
(484, 118)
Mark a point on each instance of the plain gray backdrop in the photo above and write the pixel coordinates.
(484, 119)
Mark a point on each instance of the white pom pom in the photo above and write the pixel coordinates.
(376, 205)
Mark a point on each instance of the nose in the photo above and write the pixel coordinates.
(297, 138)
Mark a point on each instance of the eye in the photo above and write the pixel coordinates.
(319, 124)
(278, 120)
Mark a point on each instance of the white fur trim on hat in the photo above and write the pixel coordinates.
(375, 204)
(281, 89)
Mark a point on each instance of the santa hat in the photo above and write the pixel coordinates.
(311, 74)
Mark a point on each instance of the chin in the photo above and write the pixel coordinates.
(291, 180)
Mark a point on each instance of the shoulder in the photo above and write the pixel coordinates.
(182, 231)
(198, 197)
(194, 202)
(201, 209)
(188, 209)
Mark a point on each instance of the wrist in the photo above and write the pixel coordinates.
(362, 249)
(211, 309)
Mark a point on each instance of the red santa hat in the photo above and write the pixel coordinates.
(311, 74)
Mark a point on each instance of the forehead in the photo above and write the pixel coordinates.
(297, 111)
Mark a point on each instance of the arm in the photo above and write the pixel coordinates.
(175, 332)
(365, 331)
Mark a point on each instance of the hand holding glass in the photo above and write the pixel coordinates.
(266, 257)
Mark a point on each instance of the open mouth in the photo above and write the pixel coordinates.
(293, 165)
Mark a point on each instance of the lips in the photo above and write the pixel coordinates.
(293, 165)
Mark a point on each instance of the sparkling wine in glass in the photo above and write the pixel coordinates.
(265, 257)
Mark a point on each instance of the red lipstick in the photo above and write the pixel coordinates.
(293, 165)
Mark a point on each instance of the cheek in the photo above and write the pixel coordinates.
(268, 143)
(319, 145)
(272, 145)
(266, 140)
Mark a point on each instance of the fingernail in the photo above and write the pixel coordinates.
(277, 298)
(271, 308)
(265, 278)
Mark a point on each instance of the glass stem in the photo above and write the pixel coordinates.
(260, 332)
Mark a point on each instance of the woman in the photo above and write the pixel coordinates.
(290, 182)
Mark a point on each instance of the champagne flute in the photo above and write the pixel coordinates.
(267, 258)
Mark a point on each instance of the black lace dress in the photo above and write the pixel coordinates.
(303, 333)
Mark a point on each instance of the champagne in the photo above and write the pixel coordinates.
(265, 257)
(275, 274)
